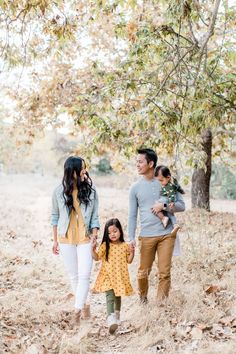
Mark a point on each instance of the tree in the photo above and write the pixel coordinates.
(170, 80)
(201, 177)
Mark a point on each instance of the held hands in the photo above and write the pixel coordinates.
(132, 246)
(156, 208)
(93, 243)
(55, 248)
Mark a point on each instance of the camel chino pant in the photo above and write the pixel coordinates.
(150, 246)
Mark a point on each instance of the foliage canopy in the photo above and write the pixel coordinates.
(130, 73)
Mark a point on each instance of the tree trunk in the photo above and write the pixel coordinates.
(200, 192)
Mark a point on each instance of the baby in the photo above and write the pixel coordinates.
(170, 187)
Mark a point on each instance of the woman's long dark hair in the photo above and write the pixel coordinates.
(106, 239)
(74, 165)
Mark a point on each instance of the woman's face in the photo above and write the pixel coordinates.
(83, 172)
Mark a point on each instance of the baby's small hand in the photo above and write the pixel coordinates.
(171, 205)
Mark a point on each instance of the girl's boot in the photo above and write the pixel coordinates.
(112, 323)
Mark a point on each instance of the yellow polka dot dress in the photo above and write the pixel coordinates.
(114, 272)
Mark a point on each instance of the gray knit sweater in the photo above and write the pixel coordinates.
(143, 195)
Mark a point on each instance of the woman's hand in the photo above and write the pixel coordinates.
(93, 242)
(93, 248)
(55, 248)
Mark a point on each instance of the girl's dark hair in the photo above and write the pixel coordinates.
(106, 239)
(163, 170)
(73, 165)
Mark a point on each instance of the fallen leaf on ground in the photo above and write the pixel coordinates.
(68, 297)
(213, 289)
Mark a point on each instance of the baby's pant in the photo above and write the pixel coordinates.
(172, 218)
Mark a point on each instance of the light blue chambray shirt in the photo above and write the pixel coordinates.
(60, 214)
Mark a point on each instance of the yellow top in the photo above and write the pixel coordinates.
(114, 273)
(76, 232)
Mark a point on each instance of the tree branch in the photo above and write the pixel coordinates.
(191, 31)
(204, 40)
(172, 71)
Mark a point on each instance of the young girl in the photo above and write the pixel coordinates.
(170, 187)
(75, 222)
(113, 277)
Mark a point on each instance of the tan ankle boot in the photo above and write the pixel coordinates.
(85, 313)
(77, 317)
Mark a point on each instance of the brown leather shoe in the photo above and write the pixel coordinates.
(77, 317)
(85, 313)
(143, 300)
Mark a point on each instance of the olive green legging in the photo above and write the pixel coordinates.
(113, 302)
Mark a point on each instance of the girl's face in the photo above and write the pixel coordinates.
(113, 233)
(163, 180)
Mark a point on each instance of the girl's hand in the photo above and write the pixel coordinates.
(55, 248)
(132, 250)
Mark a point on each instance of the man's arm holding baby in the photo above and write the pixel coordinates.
(162, 204)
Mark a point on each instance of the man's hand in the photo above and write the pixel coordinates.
(157, 207)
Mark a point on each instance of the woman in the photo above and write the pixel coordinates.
(75, 222)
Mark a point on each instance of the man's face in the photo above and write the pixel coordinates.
(142, 165)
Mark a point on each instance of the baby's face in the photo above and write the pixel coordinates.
(163, 180)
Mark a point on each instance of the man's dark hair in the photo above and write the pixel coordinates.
(150, 155)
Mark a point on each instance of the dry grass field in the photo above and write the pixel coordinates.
(36, 306)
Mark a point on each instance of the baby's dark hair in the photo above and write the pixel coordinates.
(106, 239)
(163, 170)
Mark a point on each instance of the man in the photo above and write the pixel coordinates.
(153, 237)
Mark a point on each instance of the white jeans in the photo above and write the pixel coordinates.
(78, 263)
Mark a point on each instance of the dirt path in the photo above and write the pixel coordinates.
(36, 306)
